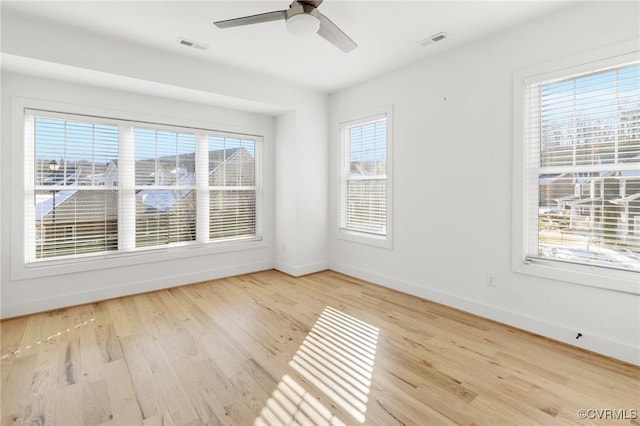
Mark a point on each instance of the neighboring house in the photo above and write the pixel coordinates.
(65, 175)
(626, 205)
(368, 168)
(608, 202)
(60, 231)
(110, 177)
(232, 211)
(86, 220)
(555, 188)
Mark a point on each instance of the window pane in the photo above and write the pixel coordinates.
(368, 149)
(366, 205)
(591, 119)
(72, 160)
(80, 222)
(165, 216)
(71, 153)
(232, 211)
(590, 219)
(365, 184)
(164, 158)
(231, 162)
(232, 214)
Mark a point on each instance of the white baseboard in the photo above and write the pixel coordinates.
(599, 344)
(298, 271)
(93, 295)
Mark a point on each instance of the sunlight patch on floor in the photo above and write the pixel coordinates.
(337, 358)
(44, 340)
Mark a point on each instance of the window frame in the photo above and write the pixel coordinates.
(593, 276)
(21, 173)
(350, 120)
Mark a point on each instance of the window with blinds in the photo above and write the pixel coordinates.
(165, 171)
(99, 186)
(75, 212)
(232, 187)
(582, 137)
(364, 176)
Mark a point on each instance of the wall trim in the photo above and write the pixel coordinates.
(105, 293)
(599, 344)
(298, 271)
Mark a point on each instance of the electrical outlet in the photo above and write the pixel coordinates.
(491, 280)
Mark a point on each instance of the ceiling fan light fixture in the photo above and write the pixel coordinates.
(302, 18)
(302, 24)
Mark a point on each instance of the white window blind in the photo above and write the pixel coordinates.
(582, 136)
(364, 177)
(165, 179)
(232, 187)
(74, 212)
(100, 186)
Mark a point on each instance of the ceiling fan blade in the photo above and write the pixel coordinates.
(253, 19)
(330, 31)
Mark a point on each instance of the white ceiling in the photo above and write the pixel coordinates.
(387, 32)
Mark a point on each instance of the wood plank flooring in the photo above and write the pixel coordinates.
(269, 349)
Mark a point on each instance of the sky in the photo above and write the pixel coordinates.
(591, 98)
(368, 142)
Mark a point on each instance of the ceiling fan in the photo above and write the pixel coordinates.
(302, 17)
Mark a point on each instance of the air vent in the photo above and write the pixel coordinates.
(434, 38)
(191, 43)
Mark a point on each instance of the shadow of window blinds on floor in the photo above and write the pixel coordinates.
(336, 359)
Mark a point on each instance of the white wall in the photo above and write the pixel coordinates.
(41, 60)
(453, 186)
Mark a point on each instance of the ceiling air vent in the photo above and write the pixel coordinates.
(434, 38)
(191, 43)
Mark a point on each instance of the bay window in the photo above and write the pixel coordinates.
(102, 187)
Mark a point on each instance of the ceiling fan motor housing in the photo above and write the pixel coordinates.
(302, 19)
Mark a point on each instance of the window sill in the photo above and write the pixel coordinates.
(590, 276)
(366, 239)
(21, 271)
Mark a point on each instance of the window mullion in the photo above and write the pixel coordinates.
(258, 185)
(30, 193)
(617, 131)
(202, 188)
(126, 189)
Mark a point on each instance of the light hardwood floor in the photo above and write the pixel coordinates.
(269, 349)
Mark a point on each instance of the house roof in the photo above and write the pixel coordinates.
(89, 204)
(584, 201)
(546, 179)
(566, 198)
(44, 201)
(184, 166)
(626, 199)
(94, 204)
(62, 176)
(165, 199)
